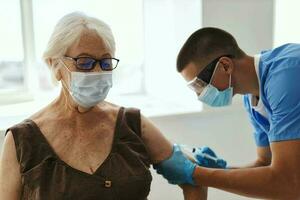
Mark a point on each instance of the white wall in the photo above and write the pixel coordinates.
(287, 27)
(250, 21)
(168, 23)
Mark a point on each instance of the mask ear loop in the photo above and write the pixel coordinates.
(229, 81)
(205, 88)
(214, 72)
(66, 86)
(63, 82)
(229, 85)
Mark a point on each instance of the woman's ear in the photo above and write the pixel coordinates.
(227, 65)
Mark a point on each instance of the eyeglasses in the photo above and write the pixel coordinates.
(88, 63)
(205, 76)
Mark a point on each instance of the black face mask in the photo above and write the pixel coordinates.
(207, 72)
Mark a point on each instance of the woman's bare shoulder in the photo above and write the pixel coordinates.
(40, 113)
(110, 108)
(10, 177)
(110, 105)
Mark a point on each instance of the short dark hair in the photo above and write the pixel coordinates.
(207, 43)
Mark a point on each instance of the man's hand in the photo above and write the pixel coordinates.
(206, 157)
(280, 180)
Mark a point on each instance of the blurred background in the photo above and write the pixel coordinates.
(149, 34)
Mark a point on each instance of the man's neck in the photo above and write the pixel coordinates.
(247, 82)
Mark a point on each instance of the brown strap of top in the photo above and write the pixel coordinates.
(133, 119)
(30, 149)
(130, 135)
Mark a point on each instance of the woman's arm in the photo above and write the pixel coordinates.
(10, 178)
(160, 149)
(194, 192)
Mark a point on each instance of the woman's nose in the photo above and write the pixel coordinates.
(97, 68)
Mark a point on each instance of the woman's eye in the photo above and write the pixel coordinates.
(85, 63)
(106, 64)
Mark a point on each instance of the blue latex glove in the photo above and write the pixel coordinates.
(206, 157)
(177, 169)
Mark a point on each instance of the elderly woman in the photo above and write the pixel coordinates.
(80, 146)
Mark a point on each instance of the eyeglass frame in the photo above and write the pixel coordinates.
(95, 63)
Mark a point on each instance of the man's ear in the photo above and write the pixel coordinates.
(227, 64)
(55, 67)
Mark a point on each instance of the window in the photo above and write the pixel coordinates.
(30, 24)
(148, 37)
(124, 17)
(11, 48)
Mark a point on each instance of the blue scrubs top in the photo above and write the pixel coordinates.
(279, 75)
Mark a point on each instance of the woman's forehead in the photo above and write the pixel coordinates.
(89, 43)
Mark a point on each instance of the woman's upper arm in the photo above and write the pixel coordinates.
(160, 149)
(10, 177)
(158, 146)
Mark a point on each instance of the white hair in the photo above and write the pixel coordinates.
(68, 31)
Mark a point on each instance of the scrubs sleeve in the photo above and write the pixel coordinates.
(283, 95)
(260, 136)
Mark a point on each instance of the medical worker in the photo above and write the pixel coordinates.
(216, 69)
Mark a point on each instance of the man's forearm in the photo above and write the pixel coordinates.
(261, 182)
(257, 163)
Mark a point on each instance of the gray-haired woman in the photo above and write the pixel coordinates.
(80, 146)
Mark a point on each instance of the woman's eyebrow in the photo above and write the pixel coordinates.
(106, 55)
(89, 55)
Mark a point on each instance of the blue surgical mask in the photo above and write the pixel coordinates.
(89, 88)
(215, 98)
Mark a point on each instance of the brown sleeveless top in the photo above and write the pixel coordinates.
(124, 175)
